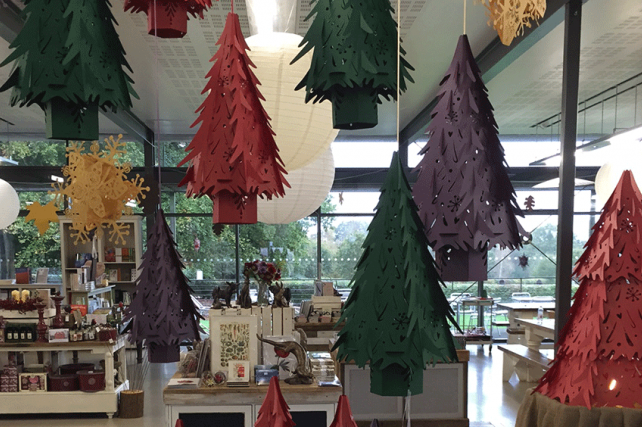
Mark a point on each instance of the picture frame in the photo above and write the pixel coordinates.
(42, 275)
(202, 357)
(233, 338)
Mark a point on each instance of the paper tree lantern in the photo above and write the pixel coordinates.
(354, 60)
(233, 157)
(509, 17)
(10, 206)
(397, 314)
(309, 186)
(168, 18)
(162, 310)
(99, 190)
(69, 61)
(303, 130)
(598, 358)
(466, 200)
(274, 412)
(343, 416)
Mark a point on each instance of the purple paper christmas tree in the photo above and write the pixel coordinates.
(162, 309)
(466, 200)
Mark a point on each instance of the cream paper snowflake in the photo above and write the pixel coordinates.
(510, 17)
(98, 190)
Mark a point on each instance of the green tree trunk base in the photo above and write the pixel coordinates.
(354, 109)
(65, 120)
(395, 381)
(458, 265)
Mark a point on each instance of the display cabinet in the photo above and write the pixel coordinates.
(69, 401)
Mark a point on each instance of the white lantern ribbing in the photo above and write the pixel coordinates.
(309, 187)
(10, 206)
(303, 131)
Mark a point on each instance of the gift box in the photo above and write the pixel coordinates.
(73, 368)
(91, 380)
(106, 334)
(68, 382)
(33, 382)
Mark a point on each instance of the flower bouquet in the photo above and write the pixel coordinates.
(264, 273)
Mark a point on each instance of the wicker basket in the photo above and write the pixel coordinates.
(131, 404)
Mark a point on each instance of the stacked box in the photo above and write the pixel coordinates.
(9, 379)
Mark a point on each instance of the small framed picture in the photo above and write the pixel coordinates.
(42, 275)
(239, 372)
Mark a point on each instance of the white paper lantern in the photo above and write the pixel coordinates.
(303, 131)
(624, 156)
(9, 205)
(310, 186)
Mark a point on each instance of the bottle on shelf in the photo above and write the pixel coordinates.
(540, 314)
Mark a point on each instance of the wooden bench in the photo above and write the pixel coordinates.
(501, 324)
(527, 363)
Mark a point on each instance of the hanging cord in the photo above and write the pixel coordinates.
(464, 16)
(398, 65)
(232, 5)
(157, 143)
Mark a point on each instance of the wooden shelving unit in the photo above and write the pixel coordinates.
(68, 251)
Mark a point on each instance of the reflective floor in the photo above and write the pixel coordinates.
(490, 401)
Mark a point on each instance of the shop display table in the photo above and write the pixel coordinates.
(68, 401)
(540, 411)
(312, 405)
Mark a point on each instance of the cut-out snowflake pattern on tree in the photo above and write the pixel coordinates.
(510, 17)
(97, 185)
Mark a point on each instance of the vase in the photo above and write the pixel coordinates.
(58, 321)
(263, 296)
(42, 327)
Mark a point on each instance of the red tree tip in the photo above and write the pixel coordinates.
(343, 416)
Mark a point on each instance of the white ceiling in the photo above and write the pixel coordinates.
(169, 74)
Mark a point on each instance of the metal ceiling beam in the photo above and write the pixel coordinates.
(494, 59)
(10, 25)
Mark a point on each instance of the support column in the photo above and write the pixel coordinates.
(319, 271)
(570, 85)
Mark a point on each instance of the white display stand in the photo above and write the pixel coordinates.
(69, 401)
(248, 401)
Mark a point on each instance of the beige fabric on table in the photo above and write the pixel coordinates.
(540, 411)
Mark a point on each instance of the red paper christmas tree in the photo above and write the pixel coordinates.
(274, 411)
(598, 360)
(343, 416)
(233, 156)
(168, 18)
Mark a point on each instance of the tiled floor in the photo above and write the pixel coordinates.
(491, 403)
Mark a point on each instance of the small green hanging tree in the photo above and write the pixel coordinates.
(69, 61)
(397, 314)
(354, 61)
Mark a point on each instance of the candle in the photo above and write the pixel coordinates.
(15, 295)
(25, 295)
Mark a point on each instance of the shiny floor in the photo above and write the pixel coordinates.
(491, 402)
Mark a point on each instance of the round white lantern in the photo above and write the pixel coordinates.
(625, 157)
(10, 206)
(309, 187)
(303, 131)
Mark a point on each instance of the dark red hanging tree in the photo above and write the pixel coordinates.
(598, 358)
(274, 412)
(466, 200)
(168, 18)
(162, 310)
(233, 157)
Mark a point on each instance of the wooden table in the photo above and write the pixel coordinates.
(537, 331)
(521, 310)
(245, 402)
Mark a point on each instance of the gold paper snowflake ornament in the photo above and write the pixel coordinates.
(510, 17)
(98, 188)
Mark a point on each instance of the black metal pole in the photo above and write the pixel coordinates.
(570, 85)
(149, 152)
(318, 214)
(237, 251)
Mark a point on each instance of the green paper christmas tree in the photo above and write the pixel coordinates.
(69, 61)
(397, 314)
(354, 62)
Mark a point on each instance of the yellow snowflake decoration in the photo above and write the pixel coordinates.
(510, 17)
(97, 186)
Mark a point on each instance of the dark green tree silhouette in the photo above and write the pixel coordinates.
(354, 61)
(69, 61)
(397, 314)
